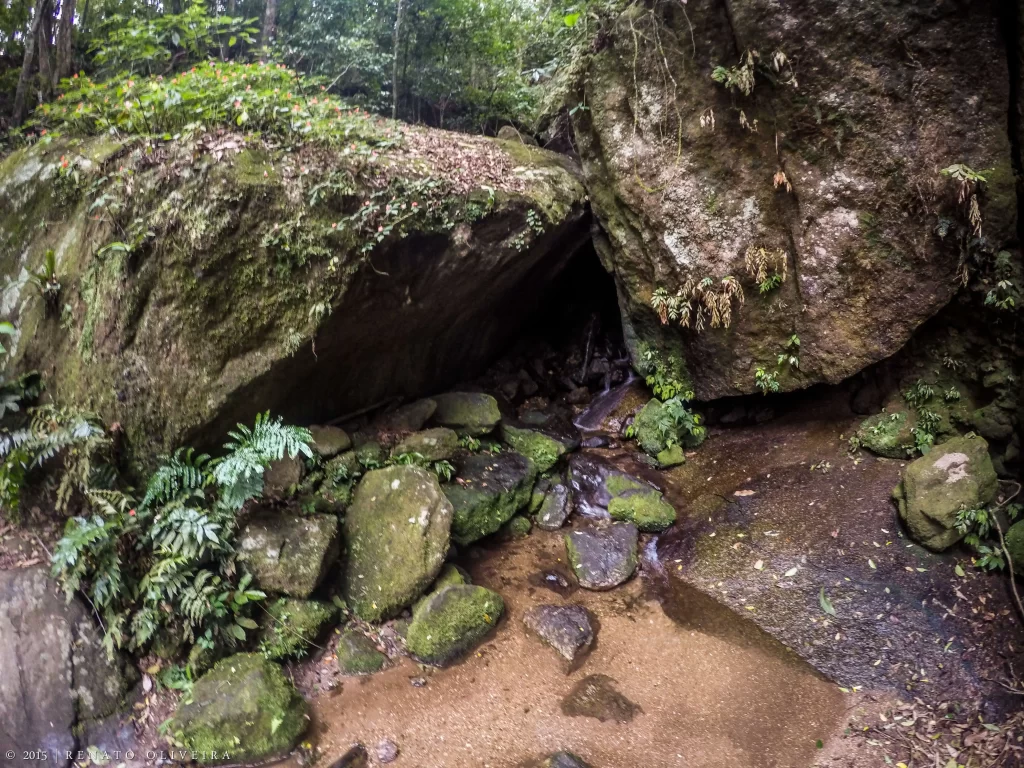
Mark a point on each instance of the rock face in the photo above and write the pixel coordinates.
(566, 628)
(289, 554)
(603, 557)
(244, 709)
(488, 490)
(955, 475)
(452, 621)
(396, 537)
(247, 297)
(688, 177)
(56, 677)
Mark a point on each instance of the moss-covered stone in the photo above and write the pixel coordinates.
(1015, 546)
(290, 626)
(468, 413)
(647, 510)
(955, 475)
(451, 622)
(245, 708)
(282, 477)
(487, 491)
(357, 653)
(671, 457)
(396, 534)
(432, 444)
(286, 553)
(656, 432)
(371, 454)
(518, 527)
(343, 467)
(543, 450)
(888, 434)
(329, 441)
(450, 574)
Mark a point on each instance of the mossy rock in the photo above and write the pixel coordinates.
(409, 417)
(434, 444)
(245, 708)
(518, 527)
(468, 413)
(555, 508)
(371, 454)
(888, 434)
(955, 475)
(543, 450)
(671, 457)
(1015, 546)
(286, 553)
(647, 510)
(655, 432)
(282, 477)
(329, 441)
(449, 575)
(290, 626)
(357, 654)
(487, 491)
(343, 467)
(396, 533)
(993, 422)
(451, 622)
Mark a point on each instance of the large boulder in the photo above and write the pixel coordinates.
(829, 166)
(243, 710)
(56, 676)
(289, 553)
(288, 627)
(432, 444)
(396, 538)
(255, 279)
(487, 491)
(469, 413)
(953, 476)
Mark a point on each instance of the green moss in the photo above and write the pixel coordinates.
(245, 706)
(1015, 546)
(492, 490)
(671, 457)
(543, 450)
(648, 510)
(888, 434)
(290, 626)
(518, 527)
(468, 413)
(617, 484)
(357, 654)
(451, 622)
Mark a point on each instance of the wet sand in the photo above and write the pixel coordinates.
(727, 696)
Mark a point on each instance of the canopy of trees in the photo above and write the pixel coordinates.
(462, 64)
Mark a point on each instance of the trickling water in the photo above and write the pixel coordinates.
(602, 406)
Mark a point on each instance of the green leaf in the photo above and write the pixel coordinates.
(872, 564)
(826, 604)
(237, 631)
(175, 38)
(231, 41)
(959, 571)
(242, 621)
(570, 19)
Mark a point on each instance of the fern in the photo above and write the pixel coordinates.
(183, 471)
(240, 473)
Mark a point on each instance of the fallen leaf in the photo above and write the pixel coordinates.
(826, 604)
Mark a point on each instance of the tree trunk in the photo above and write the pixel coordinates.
(394, 63)
(21, 94)
(224, 50)
(44, 51)
(269, 23)
(65, 40)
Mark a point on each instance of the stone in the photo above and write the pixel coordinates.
(596, 696)
(371, 454)
(955, 475)
(602, 557)
(329, 441)
(509, 133)
(646, 509)
(358, 654)
(434, 444)
(409, 417)
(543, 450)
(451, 622)
(1015, 546)
(387, 752)
(287, 553)
(282, 477)
(396, 534)
(889, 434)
(468, 413)
(993, 422)
(204, 347)
(555, 508)
(289, 626)
(671, 457)
(343, 467)
(656, 433)
(517, 528)
(487, 491)
(566, 628)
(56, 678)
(564, 760)
(858, 281)
(245, 708)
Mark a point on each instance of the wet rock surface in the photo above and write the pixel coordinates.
(566, 628)
(555, 508)
(487, 491)
(603, 557)
(597, 696)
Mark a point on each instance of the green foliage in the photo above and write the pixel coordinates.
(1003, 297)
(699, 303)
(266, 98)
(919, 394)
(675, 424)
(790, 354)
(46, 282)
(182, 582)
(766, 381)
(978, 523)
